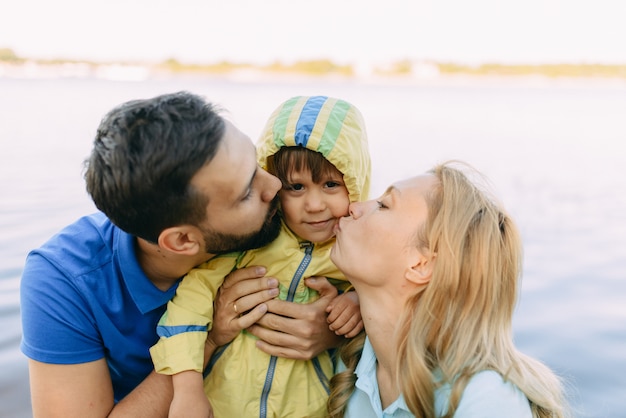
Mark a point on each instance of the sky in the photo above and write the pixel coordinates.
(345, 31)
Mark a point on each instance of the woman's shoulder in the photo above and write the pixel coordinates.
(488, 394)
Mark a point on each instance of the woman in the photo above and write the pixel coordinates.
(436, 263)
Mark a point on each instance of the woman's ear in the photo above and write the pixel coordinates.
(421, 268)
(184, 240)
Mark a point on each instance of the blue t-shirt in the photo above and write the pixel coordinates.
(486, 395)
(84, 297)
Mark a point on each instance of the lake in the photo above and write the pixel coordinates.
(553, 149)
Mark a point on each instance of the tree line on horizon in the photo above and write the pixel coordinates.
(322, 67)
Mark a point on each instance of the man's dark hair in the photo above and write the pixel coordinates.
(144, 156)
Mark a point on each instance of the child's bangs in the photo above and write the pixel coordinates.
(297, 159)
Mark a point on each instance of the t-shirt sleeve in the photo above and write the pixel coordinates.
(487, 395)
(57, 324)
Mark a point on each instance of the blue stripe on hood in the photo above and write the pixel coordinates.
(307, 119)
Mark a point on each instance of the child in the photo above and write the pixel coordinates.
(317, 147)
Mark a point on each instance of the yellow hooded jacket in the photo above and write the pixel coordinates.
(241, 380)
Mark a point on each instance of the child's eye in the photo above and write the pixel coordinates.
(295, 187)
(381, 205)
(331, 184)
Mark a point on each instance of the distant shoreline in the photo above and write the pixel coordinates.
(12, 66)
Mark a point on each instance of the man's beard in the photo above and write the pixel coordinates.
(219, 243)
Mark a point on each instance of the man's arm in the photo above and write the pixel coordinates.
(76, 390)
(85, 390)
(152, 398)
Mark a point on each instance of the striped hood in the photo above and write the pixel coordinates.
(330, 126)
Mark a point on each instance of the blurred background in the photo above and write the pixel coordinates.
(531, 93)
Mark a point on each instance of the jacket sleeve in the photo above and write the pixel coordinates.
(183, 327)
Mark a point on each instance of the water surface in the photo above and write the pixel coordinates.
(553, 150)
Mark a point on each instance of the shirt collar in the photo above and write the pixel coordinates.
(366, 381)
(144, 293)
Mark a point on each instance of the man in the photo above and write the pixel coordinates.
(176, 184)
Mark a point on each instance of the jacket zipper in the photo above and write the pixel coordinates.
(297, 277)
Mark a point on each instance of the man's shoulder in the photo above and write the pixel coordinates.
(84, 245)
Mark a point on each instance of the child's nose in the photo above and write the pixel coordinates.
(314, 202)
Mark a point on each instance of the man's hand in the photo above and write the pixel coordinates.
(240, 302)
(295, 330)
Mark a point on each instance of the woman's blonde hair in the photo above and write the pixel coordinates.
(342, 384)
(461, 322)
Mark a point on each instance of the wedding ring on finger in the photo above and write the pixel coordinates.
(235, 308)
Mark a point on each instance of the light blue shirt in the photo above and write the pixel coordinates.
(486, 395)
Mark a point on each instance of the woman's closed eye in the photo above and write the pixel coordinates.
(248, 195)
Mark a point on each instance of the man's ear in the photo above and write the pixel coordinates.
(421, 267)
(184, 240)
